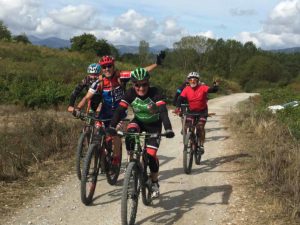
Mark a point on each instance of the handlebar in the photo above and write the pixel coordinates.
(86, 116)
(143, 134)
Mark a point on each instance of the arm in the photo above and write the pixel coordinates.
(151, 67)
(116, 117)
(159, 59)
(214, 88)
(92, 90)
(86, 98)
(165, 117)
(178, 92)
(78, 89)
(123, 106)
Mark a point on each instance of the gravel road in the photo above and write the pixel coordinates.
(199, 198)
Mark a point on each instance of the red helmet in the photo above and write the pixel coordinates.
(107, 60)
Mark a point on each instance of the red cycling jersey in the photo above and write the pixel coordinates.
(197, 97)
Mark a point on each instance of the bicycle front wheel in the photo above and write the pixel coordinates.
(90, 173)
(130, 194)
(188, 153)
(82, 148)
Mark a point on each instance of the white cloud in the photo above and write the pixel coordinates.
(19, 15)
(208, 34)
(73, 16)
(171, 28)
(140, 26)
(280, 30)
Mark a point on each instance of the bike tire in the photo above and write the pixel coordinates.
(130, 194)
(187, 154)
(112, 171)
(82, 148)
(90, 172)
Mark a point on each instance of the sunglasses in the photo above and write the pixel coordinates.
(107, 66)
(141, 85)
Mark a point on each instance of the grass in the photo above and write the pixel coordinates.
(275, 151)
(37, 151)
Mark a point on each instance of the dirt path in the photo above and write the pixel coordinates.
(199, 198)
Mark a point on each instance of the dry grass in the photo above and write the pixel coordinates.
(275, 168)
(37, 150)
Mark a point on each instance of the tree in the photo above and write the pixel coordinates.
(5, 34)
(89, 43)
(143, 52)
(22, 38)
(83, 43)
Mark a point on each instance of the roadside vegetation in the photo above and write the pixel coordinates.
(36, 82)
(273, 142)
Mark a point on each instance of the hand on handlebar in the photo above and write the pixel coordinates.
(76, 113)
(177, 111)
(169, 134)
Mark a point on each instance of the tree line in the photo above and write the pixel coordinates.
(242, 67)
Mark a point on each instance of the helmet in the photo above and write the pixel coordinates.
(107, 60)
(94, 68)
(139, 74)
(193, 75)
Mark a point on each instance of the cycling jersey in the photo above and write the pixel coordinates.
(147, 109)
(197, 96)
(85, 84)
(111, 89)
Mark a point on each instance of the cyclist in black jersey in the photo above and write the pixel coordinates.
(150, 112)
(93, 71)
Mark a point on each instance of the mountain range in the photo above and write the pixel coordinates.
(54, 42)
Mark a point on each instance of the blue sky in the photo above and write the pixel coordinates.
(268, 23)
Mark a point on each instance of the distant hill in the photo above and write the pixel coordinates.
(52, 42)
(135, 49)
(287, 50)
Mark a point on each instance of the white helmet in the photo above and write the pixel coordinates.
(193, 75)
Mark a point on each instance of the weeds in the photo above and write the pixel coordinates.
(30, 138)
(275, 151)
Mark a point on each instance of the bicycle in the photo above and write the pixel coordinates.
(99, 155)
(192, 149)
(136, 178)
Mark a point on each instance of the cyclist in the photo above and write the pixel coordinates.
(111, 86)
(150, 112)
(93, 71)
(196, 95)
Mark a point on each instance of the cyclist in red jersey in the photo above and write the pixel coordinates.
(196, 95)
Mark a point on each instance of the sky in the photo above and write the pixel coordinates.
(269, 24)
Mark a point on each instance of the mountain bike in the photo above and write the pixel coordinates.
(191, 147)
(99, 156)
(136, 178)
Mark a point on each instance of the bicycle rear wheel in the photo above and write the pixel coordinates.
(188, 153)
(89, 174)
(113, 166)
(82, 148)
(130, 194)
